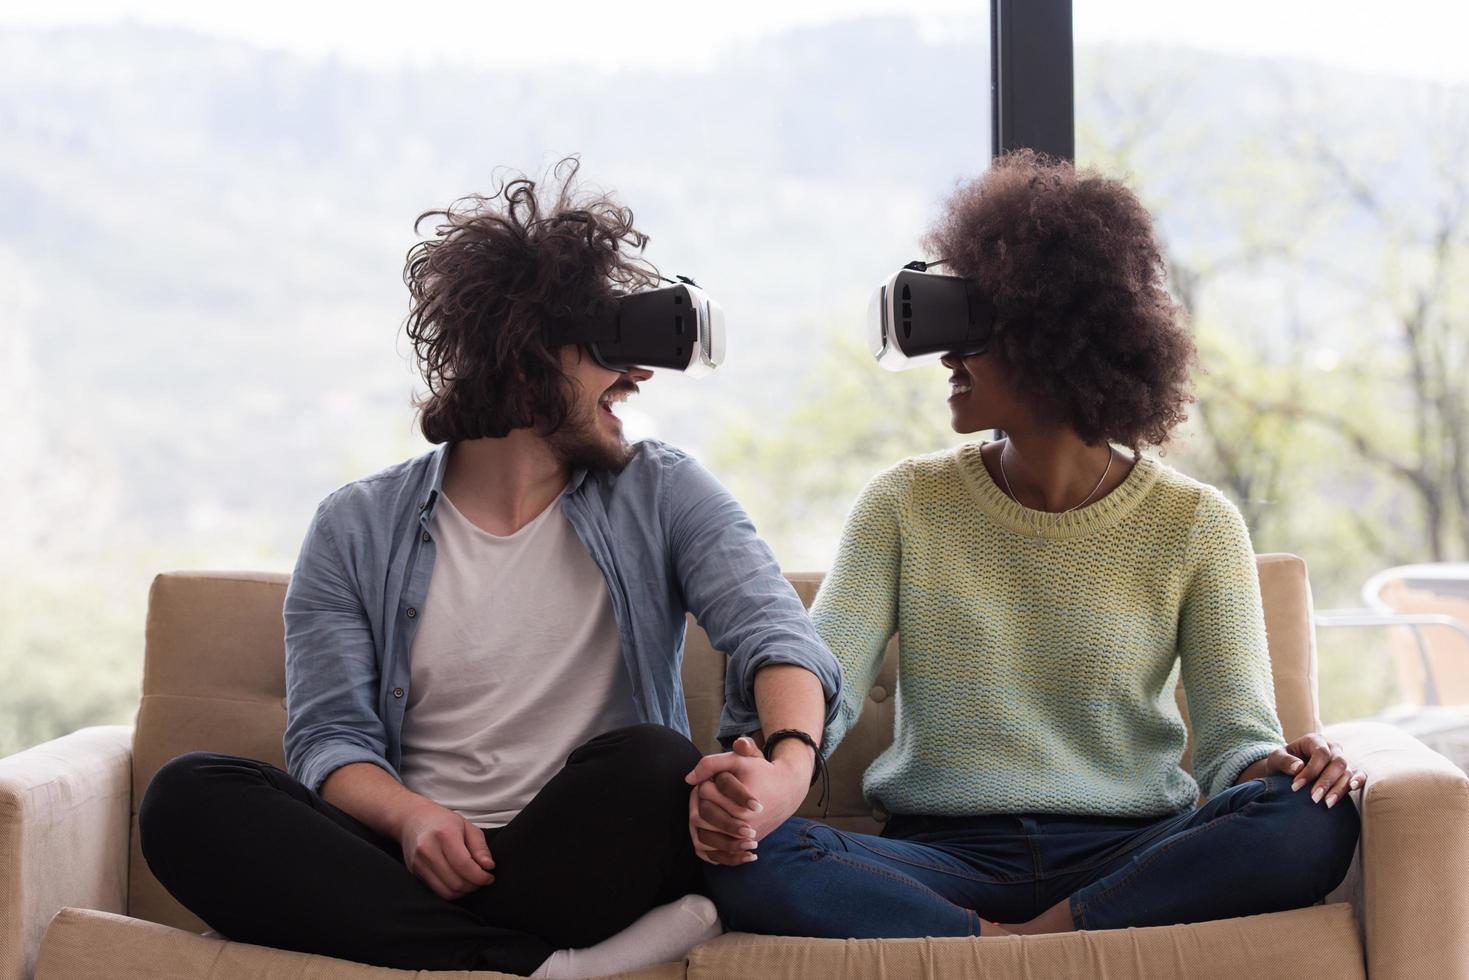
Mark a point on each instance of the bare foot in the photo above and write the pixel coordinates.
(1057, 918)
(988, 928)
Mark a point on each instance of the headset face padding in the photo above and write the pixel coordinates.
(917, 317)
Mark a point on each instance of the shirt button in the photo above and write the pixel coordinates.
(412, 613)
(425, 537)
(397, 692)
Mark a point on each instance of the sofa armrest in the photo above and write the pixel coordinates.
(64, 822)
(1414, 853)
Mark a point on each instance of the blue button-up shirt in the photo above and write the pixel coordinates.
(668, 537)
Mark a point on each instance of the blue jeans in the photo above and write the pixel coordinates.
(1257, 847)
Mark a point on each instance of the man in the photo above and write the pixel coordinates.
(486, 734)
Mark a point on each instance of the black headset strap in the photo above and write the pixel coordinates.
(598, 328)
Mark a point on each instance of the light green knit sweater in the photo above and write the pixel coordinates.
(1036, 675)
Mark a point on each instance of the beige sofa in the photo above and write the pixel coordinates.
(77, 900)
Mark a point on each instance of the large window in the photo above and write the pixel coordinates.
(204, 212)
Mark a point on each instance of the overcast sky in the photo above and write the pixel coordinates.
(1420, 38)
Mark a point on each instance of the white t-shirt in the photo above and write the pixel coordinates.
(516, 662)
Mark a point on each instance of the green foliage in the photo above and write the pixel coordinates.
(1355, 674)
(72, 655)
(1247, 437)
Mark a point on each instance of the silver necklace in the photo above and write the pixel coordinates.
(1025, 511)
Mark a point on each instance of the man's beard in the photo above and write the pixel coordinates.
(580, 444)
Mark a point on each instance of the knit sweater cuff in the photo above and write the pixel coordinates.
(1237, 762)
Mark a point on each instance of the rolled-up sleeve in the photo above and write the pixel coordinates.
(734, 587)
(332, 682)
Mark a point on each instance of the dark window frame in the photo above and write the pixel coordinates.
(1032, 77)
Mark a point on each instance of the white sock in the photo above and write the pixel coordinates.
(662, 935)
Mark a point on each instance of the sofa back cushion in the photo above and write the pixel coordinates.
(214, 680)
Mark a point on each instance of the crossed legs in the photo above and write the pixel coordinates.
(265, 860)
(1255, 848)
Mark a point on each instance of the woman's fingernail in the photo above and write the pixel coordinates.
(1296, 766)
(755, 805)
(747, 832)
(1297, 785)
(1355, 783)
(751, 857)
(1316, 794)
(1331, 801)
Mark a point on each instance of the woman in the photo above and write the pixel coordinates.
(1047, 589)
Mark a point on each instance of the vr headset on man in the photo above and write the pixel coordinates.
(917, 317)
(676, 327)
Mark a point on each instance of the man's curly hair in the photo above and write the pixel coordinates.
(497, 269)
(1083, 315)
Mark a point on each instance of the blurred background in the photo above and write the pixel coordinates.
(204, 210)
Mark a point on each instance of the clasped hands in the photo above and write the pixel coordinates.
(739, 797)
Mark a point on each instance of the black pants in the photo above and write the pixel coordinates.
(265, 860)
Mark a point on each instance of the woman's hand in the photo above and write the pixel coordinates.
(726, 818)
(1311, 759)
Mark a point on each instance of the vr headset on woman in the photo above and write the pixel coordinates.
(676, 327)
(917, 317)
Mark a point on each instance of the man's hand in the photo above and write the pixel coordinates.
(738, 798)
(444, 850)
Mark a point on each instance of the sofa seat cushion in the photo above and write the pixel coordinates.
(1321, 941)
(85, 945)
